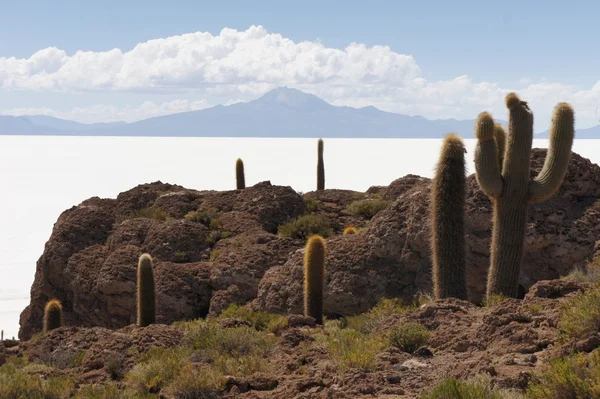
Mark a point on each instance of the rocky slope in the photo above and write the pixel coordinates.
(229, 251)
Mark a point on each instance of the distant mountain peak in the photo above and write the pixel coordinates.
(290, 97)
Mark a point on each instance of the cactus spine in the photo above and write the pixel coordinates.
(146, 302)
(320, 167)
(314, 278)
(239, 174)
(448, 195)
(509, 185)
(53, 315)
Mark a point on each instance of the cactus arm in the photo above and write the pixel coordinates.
(562, 132)
(486, 157)
(500, 138)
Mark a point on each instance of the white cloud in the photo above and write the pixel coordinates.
(242, 65)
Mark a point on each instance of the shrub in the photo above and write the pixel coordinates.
(157, 369)
(114, 366)
(588, 274)
(409, 336)
(261, 321)
(312, 204)
(195, 382)
(15, 383)
(206, 217)
(305, 226)
(477, 387)
(371, 321)
(353, 349)
(214, 254)
(580, 315)
(367, 208)
(105, 391)
(181, 257)
(577, 376)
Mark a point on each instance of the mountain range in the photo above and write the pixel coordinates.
(282, 112)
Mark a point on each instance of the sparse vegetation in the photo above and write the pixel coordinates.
(590, 273)
(261, 321)
(305, 226)
(312, 204)
(15, 383)
(580, 315)
(206, 217)
(577, 376)
(409, 336)
(478, 387)
(372, 320)
(181, 257)
(367, 208)
(493, 300)
(353, 349)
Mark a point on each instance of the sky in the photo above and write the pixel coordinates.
(116, 60)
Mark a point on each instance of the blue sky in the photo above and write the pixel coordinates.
(510, 44)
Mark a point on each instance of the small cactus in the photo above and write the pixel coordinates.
(448, 196)
(53, 315)
(509, 185)
(320, 166)
(146, 302)
(350, 230)
(2, 335)
(239, 174)
(314, 278)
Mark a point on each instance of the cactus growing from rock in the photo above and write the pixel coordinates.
(146, 302)
(320, 166)
(314, 278)
(509, 185)
(53, 315)
(239, 174)
(448, 196)
(350, 230)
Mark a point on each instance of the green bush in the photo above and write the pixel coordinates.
(260, 320)
(577, 376)
(305, 226)
(207, 217)
(352, 349)
(15, 383)
(477, 387)
(367, 208)
(580, 315)
(312, 204)
(157, 369)
(370, 321)
(409, 336)
(196, 382)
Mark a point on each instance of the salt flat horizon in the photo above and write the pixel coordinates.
(44, 175)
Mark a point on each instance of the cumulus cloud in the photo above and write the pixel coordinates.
(242, 65)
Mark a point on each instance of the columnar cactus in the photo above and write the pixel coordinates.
(314, 278)
(146, 302)
(53, 316)
(320, 167)
(350, 230)
(448, 195)
(509, 185)
(239, 174)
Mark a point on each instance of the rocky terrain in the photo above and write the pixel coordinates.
(214, 249)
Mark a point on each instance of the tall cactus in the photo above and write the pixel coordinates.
(314, 278)
(146, 301)
(447, 209)
(240, 179)
(320, 167)
(509, 185)
(53, 316)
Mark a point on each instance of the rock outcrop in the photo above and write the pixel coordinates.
(229, 252)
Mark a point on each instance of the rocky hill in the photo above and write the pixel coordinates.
(214, 249)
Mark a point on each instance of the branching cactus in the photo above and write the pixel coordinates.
(53, 315)
(447, 210)
(320, 167)
(239, 174)
(146, 302)
(509, 185)
(314, 278)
